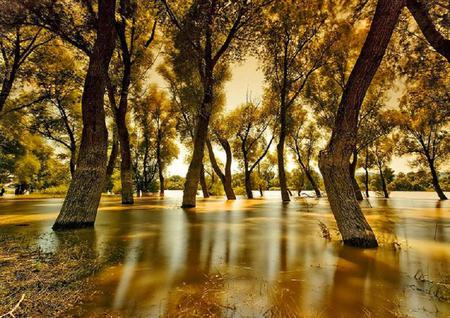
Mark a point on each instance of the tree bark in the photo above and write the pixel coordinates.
(203, 183)
(307, 172)
(280, 156)
(366, 174)
(112, 156)
(334, 160)
(248, 184)
(435, 180)
(423, 19)
(353, 164)
(225, 178)
(160, 164)
(83, 197)
(201, 133)
(383, 182)
(126, 175)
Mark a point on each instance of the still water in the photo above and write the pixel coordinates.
(256, 257)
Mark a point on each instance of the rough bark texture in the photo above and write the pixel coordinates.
(423, 19)
(435, 179)
(248, 184)
(83, 197)
(225, 178)
(203, 184)
(334, 160)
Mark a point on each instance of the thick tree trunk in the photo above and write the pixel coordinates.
(201, 133)
(334, 160)
(435, 180)
(280, 154)
(225, 178)
(83, 197)
(248, 184)
(5, 91)
(353, 164)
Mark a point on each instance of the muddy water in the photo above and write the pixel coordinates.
(256, 257)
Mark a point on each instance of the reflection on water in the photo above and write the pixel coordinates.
(256, 257)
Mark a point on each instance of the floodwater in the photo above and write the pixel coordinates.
(256, 258)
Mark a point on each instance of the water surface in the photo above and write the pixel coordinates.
(256, 257)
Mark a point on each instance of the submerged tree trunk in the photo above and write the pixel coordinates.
(201, 133)
(307, 172)
(353, 163)
(280, 155)
(435, 180)
(83, 197)
(112, 156)
(366, 173)
(383, 182)
(160, 164)
(203, 184)
(248, 184)
(225, 178)
(126, 175)
(334, 160)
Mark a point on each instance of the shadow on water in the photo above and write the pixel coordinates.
(252, 257)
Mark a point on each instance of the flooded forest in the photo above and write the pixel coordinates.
(224, 158)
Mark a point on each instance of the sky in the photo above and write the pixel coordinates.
(248, 80)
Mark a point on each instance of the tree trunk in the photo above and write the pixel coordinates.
(366, 175)
(225, 178)
(126, 175)
(112, 156)
(83, 197)
(160, 164)
(434, 37)
(73, 159)
(383, 182)
(334, 160)
(307, 172)
(248, 184)
(280, 154)
(353, 163)
(435, 179)
(201, 133)
(203, 183)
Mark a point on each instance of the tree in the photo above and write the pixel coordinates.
(83, 197)
(424, 119)
(220, 134)
(214, 32)
(303, 138)
(334, 160)
(17, 45)
(294, 48)
(382, 151)
(251, 123)
(133, 39)
(58, 116)
(163, 122)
